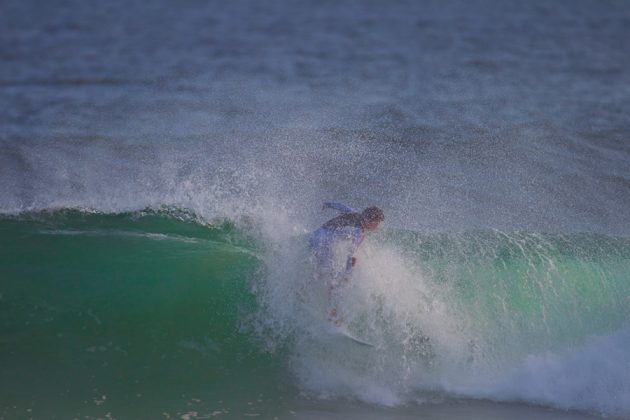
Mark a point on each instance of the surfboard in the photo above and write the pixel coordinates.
(328, 327)
(341, 331)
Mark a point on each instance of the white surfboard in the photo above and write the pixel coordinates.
(345, 333)
(334, 330)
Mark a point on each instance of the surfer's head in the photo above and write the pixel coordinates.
(372, 217)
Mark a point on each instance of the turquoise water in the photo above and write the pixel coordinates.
(144, 313)
(127, 309)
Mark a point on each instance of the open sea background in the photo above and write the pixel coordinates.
(162, 164)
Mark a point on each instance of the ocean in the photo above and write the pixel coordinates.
(162, 166)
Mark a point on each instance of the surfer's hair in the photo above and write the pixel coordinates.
(373, 214)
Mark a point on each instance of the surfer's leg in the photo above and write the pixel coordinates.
(333, 313)
(335, 294)
(328, 253)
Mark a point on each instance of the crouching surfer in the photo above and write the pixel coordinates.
(334, 245)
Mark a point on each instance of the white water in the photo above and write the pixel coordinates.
(428, 343)
(593, 377)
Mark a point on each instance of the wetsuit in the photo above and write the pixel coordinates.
(336, 241)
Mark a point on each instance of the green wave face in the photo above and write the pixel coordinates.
(535, 291)
(149, 313)
(130, 311)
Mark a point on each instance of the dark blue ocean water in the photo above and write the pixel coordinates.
(454, 116)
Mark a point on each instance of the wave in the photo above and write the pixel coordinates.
(504, 316)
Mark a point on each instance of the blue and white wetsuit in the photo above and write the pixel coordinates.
(336, 241)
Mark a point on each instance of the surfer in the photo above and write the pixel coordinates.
(334, 245)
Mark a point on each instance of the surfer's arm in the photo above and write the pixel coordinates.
(340, 207)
